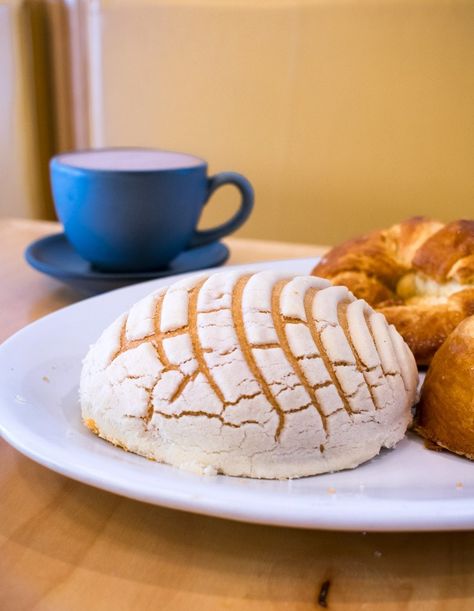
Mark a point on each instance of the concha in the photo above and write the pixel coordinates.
(260, 375)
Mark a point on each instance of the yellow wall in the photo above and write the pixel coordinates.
(19, 180)
(25, 112)
(344, 115)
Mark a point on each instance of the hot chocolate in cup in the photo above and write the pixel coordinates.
(130, 209)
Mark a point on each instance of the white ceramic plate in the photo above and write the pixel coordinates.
(408, 488)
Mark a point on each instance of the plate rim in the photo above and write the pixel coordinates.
(438, 519)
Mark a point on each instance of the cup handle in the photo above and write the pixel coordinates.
(246, 190)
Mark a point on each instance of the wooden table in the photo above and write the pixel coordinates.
(68, 547)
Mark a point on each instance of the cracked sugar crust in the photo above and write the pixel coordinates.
(260, 375)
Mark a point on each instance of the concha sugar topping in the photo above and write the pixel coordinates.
(260, 375)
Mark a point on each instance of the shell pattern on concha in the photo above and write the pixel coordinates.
(260, 375)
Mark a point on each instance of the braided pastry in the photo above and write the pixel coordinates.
(260, 375)
(419, 274)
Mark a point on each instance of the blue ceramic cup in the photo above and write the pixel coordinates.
(129, 209)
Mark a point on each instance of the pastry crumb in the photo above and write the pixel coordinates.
(331, 490)
(46, 379)
(431, 445)
(459, 485)
(91, 425)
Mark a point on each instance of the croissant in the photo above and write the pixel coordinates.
(419, 274)
(259, 375)
(445, 414)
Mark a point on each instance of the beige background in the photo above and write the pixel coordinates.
(20, 183)
(345, 115)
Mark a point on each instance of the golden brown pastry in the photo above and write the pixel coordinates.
(445, 413)
(419, 274)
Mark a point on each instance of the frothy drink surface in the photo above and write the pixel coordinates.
(129, 159)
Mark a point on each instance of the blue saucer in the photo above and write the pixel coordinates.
(55, 257)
